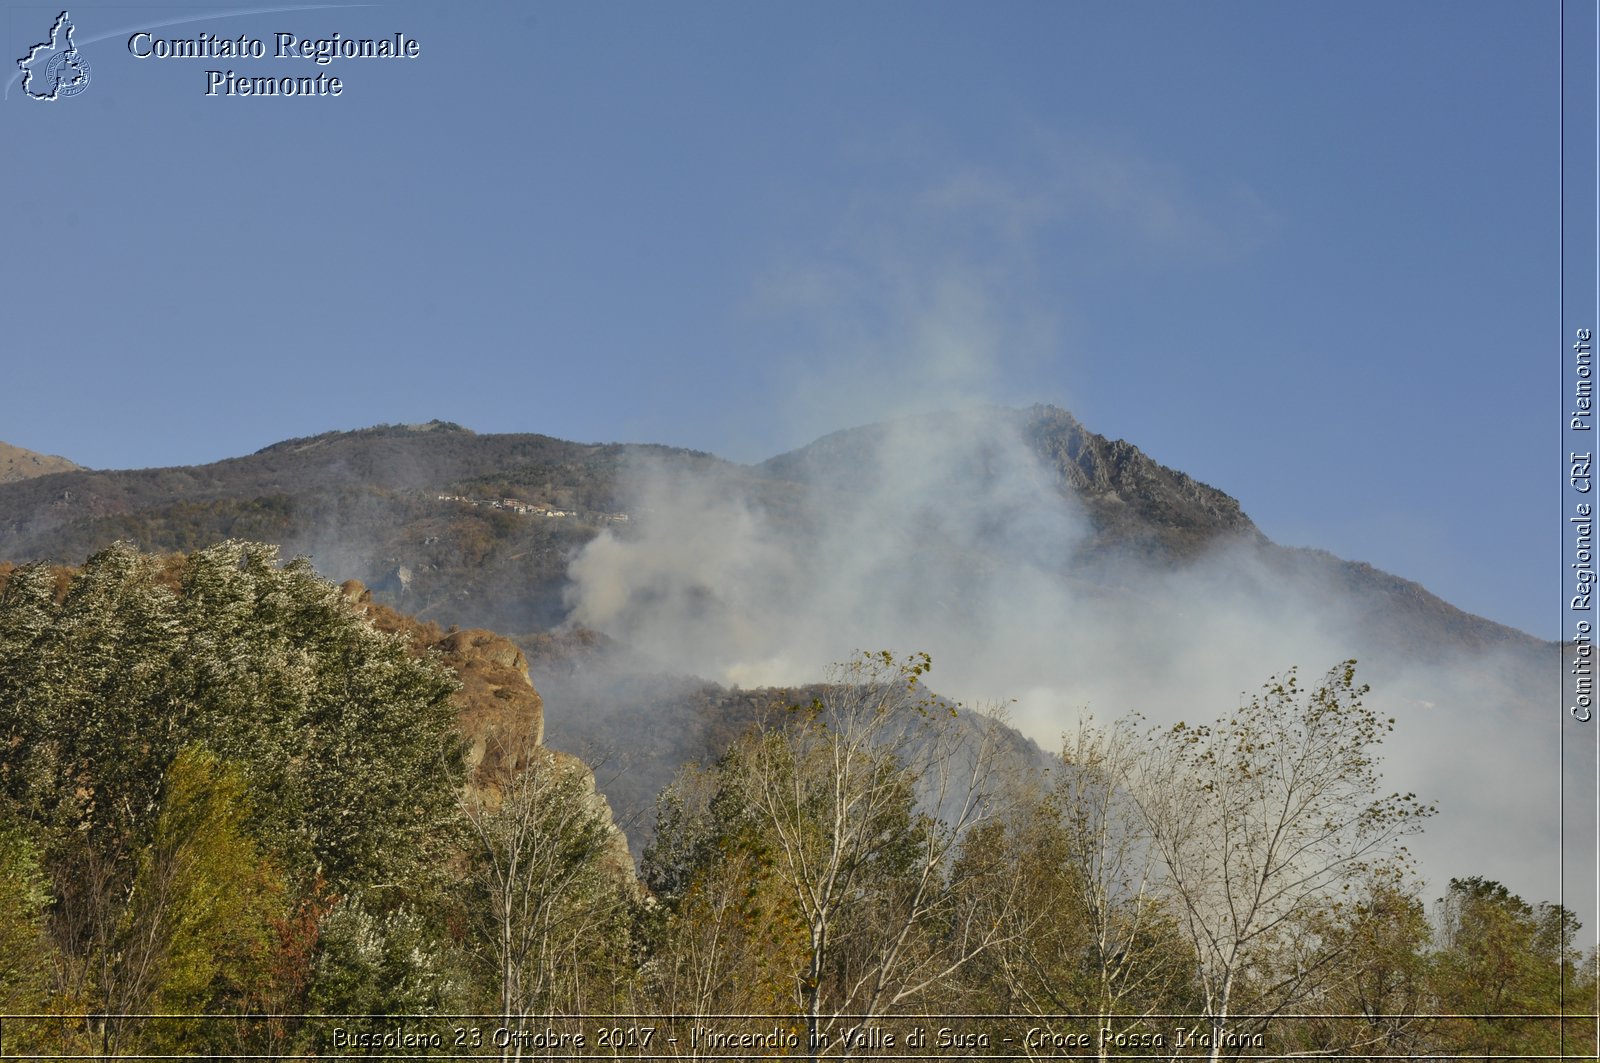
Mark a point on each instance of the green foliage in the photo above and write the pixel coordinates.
(1038, 969)
(222, 790)
(1502, 957)
(1094, 932)
(336, 722)
(184, 525)
(84, 700)
(802, 872)
(383, 959)
(197, 932)
(726, 935)
(200, 754)
(1375, 991)
(347, 738)
(27, 957)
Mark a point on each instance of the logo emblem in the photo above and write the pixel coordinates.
(55, 69)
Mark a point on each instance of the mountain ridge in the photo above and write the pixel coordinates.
(376, 481)
(1033, 558)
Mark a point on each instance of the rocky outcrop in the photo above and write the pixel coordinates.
(501, 715)
(1136, 506)
(1130, 497)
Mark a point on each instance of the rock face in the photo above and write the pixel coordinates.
(1129, 496)
(1136, 506)
(18, 464)
(500, 713)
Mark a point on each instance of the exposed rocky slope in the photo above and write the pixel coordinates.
(1132, 501)
(500, 713)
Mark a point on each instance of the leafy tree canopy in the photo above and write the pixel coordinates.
(345, 740)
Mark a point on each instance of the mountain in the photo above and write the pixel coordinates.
(638, 726)
(363, 504)
(1156, 516)
(366, 505)
(18, 464)
(663, 596)
(1132, 501)
(453, 526)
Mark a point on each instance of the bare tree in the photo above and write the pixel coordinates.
(547, 902)
(1134, 963)
(1264, 821)
(846, 791)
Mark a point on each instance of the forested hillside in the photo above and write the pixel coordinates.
(368, 505)
(236, 797)
(224, 790)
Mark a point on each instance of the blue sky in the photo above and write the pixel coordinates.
(1304, 252)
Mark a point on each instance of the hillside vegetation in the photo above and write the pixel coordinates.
(225, 788)
(236, 797)
(228, 785)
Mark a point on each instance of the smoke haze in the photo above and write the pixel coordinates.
(948, 533)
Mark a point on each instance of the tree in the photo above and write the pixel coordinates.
(27, 958)
(378, 957)
(1376, 997)
(197, 930)
(345, 734)
(1133, 963)
(549, 907)
(336, 757)
(863, 798)
(724, 935)
(1260, 821)
(1498, 958)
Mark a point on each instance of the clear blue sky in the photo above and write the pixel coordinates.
(1305, 252)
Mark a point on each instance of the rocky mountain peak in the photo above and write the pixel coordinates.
(1130, 496)
(1130, 499)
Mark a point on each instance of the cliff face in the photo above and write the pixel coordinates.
(500, 713)
(1130, 497)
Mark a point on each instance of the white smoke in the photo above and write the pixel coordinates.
(945, 533)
